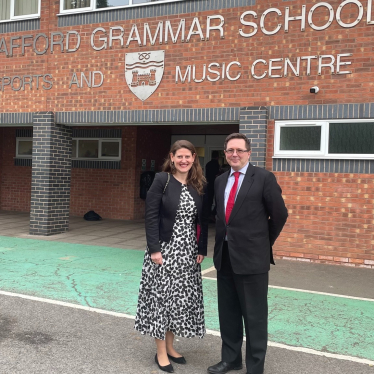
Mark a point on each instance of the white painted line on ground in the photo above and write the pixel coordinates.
(308, 350)
(313, 292)
(324, 354)
(70, 305)
(210, 332)
(323, 293)
(208, 270)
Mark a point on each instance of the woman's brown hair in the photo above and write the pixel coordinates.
(195, 176)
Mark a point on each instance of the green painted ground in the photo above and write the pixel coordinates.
(108, 278)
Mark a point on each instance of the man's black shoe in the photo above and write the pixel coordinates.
(223, 367)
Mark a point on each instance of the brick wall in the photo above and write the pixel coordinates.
(15, 181)
(115, 193)
(110, 193)
(51, 170)
(107, 192)
(330, 215)
(247, 91)
(330, 218)
(253, 123)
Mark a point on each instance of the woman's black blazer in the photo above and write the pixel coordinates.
(160, 212)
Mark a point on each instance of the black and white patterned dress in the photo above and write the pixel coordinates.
(171, 294)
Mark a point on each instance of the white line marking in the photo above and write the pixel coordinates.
(323, 293)
(308, 350)
(314, 292)
(210, 332)
(318, 353)
(208, 270)
(70, 305)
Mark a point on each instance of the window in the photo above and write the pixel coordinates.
(96, 149)
(24, 148)
(81, 5)
(83, 149)
(14, 10)
(338, 139)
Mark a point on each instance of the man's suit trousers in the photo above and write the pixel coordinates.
(243, 297)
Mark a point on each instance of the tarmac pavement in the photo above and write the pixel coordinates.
(315, 309)
(36, 338)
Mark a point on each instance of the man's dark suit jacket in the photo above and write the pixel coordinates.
(256, 220)
(161, 209)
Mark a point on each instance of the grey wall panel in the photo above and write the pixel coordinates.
(319, 112)
(324, 166)
(14, 119)
(24, 133)
(18, 26)
(134, 117)
(94, 164)
(97, 133)
(22, 162)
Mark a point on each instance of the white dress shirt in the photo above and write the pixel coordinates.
(231, 180)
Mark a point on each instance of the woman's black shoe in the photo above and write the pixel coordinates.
(178, 360)
(167, 368)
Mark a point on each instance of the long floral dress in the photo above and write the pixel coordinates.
(171, 294)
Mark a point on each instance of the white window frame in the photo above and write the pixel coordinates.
(100, 157)
(20, 18)
(17, 147)
(323, 152)
(92, 7)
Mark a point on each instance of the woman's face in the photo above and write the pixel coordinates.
(183, 160)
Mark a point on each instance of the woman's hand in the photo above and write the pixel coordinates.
(156, 258)
(199, 259)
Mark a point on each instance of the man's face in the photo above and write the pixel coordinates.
(236, 153)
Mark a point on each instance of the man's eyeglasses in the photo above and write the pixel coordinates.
(239, 152)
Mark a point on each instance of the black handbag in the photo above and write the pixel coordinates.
(92, 216)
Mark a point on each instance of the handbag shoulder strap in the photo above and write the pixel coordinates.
(167, 182)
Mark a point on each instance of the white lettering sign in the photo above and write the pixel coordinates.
(212, 72)
(323, 64)
(91, 79)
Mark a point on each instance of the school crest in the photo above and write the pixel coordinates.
(144, 71)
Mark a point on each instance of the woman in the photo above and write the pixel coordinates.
(170, 296)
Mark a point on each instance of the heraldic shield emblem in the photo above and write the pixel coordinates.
(144, 71)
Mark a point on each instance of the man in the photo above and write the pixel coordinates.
(250, 215)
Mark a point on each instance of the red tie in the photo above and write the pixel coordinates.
(231, 200)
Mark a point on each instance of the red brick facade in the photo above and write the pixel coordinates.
(111, 193)
(115, 95)
(15, 181)
(115, 193)
(330, 216)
